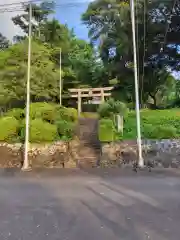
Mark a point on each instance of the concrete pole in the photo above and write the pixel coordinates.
(60, 77)
(26, 160)
(139, 141)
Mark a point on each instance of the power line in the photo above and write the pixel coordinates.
(19, 3)
(21, 8)
(41, 1)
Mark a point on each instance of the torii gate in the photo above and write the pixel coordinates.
(80, 93)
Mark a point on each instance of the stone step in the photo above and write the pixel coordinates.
(90, 147)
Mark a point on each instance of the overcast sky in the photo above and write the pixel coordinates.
(69, 12)
(7, 27)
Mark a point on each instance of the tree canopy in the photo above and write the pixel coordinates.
(109, 24)
(107, 59)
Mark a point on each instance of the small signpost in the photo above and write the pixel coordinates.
(120, 122)
(80, 93)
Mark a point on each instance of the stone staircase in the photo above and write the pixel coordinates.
(89, 151)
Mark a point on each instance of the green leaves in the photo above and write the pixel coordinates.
(111, 108)
(109, 25)
(13, 76)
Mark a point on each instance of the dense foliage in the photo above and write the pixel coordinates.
(155, 124)
(107, 60)
(48, 122)
(109, 24)
(111, 108)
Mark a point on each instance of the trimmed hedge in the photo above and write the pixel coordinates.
(48, 122)
(111, 107)
(65, 129)
(106, 130)
(40, 131)
(67, 114)
(43, 110)
(155, 124)
(17, 113)
(9, 127)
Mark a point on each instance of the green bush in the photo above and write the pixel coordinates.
(147, 131)
(72, 114)
(17, 113)
(43, 110)
(40, 131)
(9, 127)
(106, 130)
(67, 114)
(65, 129)
(111, 107)
(164, 132)
(104, 110)
(155, 124)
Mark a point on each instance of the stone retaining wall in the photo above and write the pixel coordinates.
(59, 154)
(165, 153)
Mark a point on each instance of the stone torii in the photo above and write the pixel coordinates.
(80, 93)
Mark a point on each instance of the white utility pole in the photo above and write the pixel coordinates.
(60, 77)
(139, 141)
(26, 160)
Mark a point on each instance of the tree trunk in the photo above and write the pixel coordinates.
(154, 99)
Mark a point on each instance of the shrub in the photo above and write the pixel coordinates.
(164, 132)
(65, 129)
(72, 114)
(106, 130)
(43, 110)
(67, 114)
(17, 113)
(9, 127)
(155, 124)
(104, 110)
(147, 131)
(111, 107)
(40, 131)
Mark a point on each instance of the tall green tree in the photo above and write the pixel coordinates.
(109, 24)
(13, 73)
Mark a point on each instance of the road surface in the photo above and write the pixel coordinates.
(98, 205)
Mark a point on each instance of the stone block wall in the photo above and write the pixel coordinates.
(164, 153)
(59, 154)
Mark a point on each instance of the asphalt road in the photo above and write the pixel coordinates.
(97, 205)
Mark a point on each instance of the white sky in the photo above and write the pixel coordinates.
(7, 28)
